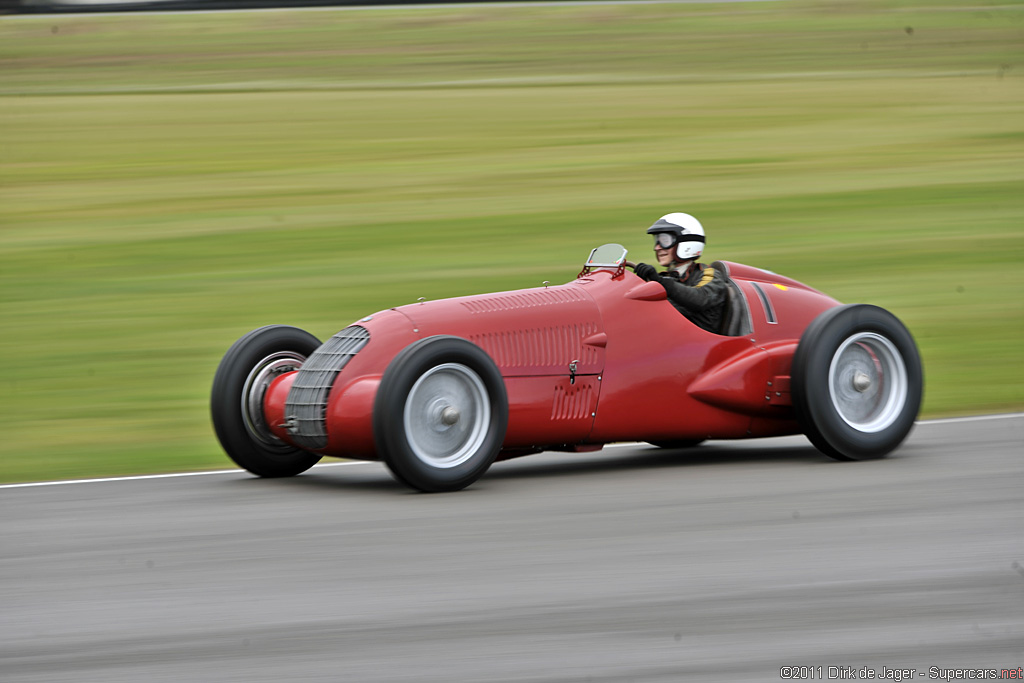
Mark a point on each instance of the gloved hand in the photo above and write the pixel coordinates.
(646, 272)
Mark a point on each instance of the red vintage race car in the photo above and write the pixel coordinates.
(439, 390)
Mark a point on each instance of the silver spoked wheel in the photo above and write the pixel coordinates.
(447, 415)
(255, 388)
(868, 383)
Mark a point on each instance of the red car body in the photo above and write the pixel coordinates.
(643, 371)
(440, 389)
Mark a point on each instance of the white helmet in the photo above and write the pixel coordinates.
(688, 233)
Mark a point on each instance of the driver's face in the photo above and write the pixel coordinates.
(664, 255)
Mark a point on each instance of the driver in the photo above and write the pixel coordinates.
(697, 291)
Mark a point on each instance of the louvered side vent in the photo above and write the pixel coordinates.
(306, 407)
(498, 303)
(551, 347)
(572, 403)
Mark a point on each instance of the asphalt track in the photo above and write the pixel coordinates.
(722, 564)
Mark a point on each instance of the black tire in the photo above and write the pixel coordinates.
(440, 415)
(236, 402)
(679, 443)
(857, 382)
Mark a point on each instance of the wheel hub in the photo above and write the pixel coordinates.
(861, 382)
(446, 415)
(255, 388)
(868, 382)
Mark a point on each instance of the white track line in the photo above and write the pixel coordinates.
(171, 475)
(347, 463)
(975, 418)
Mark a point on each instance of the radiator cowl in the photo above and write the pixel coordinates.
(306, 407)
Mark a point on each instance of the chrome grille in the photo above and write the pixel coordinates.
(306, 407)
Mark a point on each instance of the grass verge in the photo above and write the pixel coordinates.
(168, 182)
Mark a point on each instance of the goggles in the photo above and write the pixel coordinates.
(665, 240)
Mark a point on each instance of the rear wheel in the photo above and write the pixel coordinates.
(236, 402)
(440, 414)
(857, 382)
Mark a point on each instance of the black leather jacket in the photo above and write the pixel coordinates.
(701, 295)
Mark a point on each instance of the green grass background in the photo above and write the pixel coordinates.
(168, 182)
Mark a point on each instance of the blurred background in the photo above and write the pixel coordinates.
(169, 181)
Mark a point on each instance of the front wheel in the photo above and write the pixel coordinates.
(440, 415)
(236, 402)
(857, 382)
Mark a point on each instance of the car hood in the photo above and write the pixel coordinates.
(526, 332)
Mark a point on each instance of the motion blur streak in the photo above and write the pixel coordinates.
(169, 182)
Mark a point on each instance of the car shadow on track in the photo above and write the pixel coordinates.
(372, 479)
(366, 478)
(642, 458)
